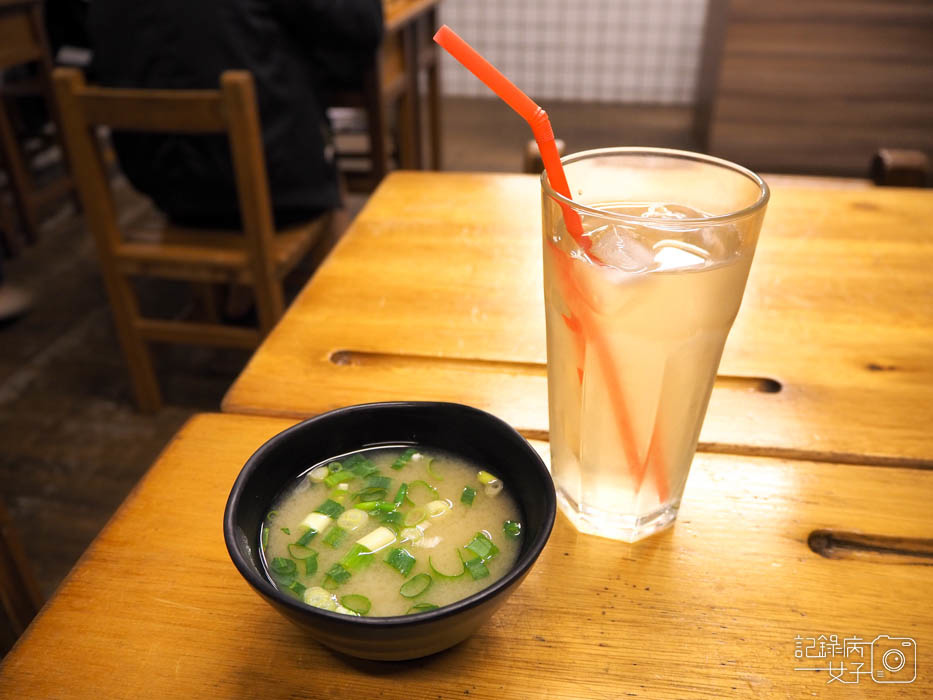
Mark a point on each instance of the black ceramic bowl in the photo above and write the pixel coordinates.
(464, 431)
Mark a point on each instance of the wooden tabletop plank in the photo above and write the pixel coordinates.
(708, 609)
(436, 293)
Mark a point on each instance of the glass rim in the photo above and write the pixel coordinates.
(763, 197)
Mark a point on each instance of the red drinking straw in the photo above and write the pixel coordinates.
(581, 322)
(536, 117)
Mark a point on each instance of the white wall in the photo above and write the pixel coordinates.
(635, 51)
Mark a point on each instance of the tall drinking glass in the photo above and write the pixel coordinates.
(637, 314)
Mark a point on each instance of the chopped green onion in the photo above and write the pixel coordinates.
(330, 508)
(282, 566)
(340, 493)
(431, 471)
(320, 473)
(352, 519)
(357, 603)
(335, 467)
(423, 490)
(334, 536)
(512, 528)
(437, 508)
(377, 481)
(444, 574)
(477, 568)
(319, 598)
(338, 478)
(400, 495)
(298, 588)
(404, 458)
(265, 537)
(360, 466)
(393, 518)
(272, 515)
(371, 494)
(337, 574)
(378, 506)
(468, 495)
(493, 489)
(358, 557)
(311, 565)
(482, 547)
(415, 516)
(377, 539)
(486, 478)
(307, 537)
(285, 530)
(411, 534)
(299, 551)
(415, 586)
(421, 607)
(283, 571)
(400, 560)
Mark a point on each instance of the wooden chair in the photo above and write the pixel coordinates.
(393, 82)
(259, 258)
(22, 40)
(20, 598)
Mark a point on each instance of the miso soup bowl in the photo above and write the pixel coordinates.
(461, 430)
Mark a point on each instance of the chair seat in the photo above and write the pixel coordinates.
(206, 255)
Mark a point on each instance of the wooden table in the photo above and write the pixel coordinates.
(435, 293)
(708, 609)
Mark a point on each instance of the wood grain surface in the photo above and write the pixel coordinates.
(820, 85)
(708, 609)
(436, 293)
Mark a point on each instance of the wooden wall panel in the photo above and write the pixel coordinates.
(817, 86)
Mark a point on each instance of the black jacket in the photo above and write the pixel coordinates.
(297, 51)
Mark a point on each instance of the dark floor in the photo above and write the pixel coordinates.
(72, 444)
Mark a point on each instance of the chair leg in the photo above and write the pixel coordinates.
(434, 97)
(20, 597)
(410, 126)
(135, 348)
(9, 241)
(376, 123)
(20, 184)
(270, 305)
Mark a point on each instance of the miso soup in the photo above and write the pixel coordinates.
(391, 531)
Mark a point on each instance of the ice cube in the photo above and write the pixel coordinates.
(621, 247)
(676, 255)
(664, 211)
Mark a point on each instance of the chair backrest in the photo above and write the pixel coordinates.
(22, 38)
(232, 110)
(20, 598)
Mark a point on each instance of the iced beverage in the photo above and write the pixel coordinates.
(638, 311)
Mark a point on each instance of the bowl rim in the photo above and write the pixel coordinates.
(522, 565)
